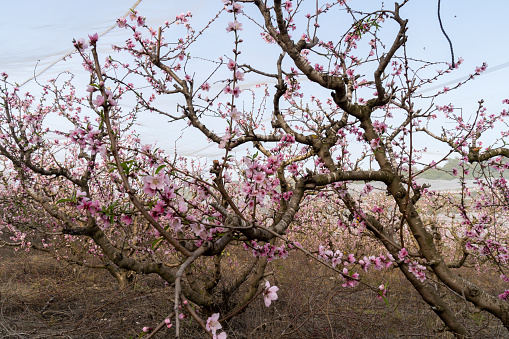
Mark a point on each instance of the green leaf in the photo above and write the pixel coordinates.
(160, 168)
(64, 200)
(155, 242)
(386, 301)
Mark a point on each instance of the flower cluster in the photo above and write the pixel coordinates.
(88, 138)
(268, 250)
(413, 266)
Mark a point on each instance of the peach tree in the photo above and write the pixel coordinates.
(301, 112)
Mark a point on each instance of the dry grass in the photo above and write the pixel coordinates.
(43, 298)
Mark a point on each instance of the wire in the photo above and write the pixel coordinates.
(461, 79)
(73, 50)
(443, 31)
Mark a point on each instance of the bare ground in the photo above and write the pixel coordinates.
(43, 298)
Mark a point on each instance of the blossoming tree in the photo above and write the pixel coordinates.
(134, 208)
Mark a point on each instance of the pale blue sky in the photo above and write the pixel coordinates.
(43, 30)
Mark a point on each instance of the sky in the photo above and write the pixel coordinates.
(34, 34)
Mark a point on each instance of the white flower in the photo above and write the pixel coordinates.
(213, 324)
(269, 294)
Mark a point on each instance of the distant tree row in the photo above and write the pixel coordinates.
(453, 170)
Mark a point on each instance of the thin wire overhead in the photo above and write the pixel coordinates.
(73, 50)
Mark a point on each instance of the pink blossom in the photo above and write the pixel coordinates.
(287, 195)
(402, 255)
(81, 45)
(99, 101)
(231, 65)
(205, 86)
(213, 323)
(269, 293)
(375, 143)
(168, 323)
(380, 127)
(382, 291)
(126, 219)
(93, 38)
(351, 281)
(155, 182)
(140, 20)
(235, 114)
(147, 329)
(239, 76)
(259, 177)
(236, 92)
(110, 99)
(505, 295)
(121, 22)
(234, 26)
(222, 335)
(88, 205)
(417, 270)
(319, 67)
(237, 8)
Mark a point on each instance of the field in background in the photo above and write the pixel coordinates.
(41, 298)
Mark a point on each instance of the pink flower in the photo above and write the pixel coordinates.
(155, 182)
(375, 143)
(222, 335)
(417, 270)
(236, 91)
(167, 321)
(126, 219)
(91, 89)
(140, 20)
(110, 99)
(147, 329)
(382, 291)
(93, 38)
(235, 114)
(234, 26)
(259, 177)
(81, 45)
(269, 294)
(319, 67)
(213, 323)
(505, 295)
(88, 205)
(237, 8)
(227, 90)
(239, 75)
(99, 101)
(231, 65)
(351, 281)
(121, 22)
(403, 254)
(205, 86)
